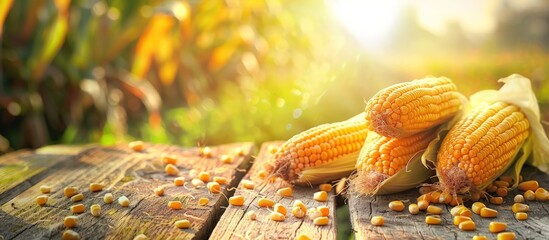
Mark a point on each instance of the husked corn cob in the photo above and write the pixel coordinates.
(322, 153)
(407, 108)
(481, 146)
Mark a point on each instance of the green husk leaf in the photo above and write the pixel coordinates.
(333, 170)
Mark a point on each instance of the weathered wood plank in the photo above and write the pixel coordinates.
(128, 173)
(233, 224)
(405, 226)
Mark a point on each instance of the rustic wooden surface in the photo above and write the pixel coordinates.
(234, 225)
(124, 172)
(402, 225)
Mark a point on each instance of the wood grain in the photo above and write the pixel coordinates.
(406, 226)
(234, 225)
(128, 173)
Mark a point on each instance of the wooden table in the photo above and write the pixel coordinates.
(135, 175)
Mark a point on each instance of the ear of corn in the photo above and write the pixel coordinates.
(320, 154)
(411, 107)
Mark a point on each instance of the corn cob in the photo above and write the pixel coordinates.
(407, 108)
(481, 146)
(320, 154)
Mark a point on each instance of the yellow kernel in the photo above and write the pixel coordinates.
(193, 173)
(507, 179)
(197, 183)
(506, 236)
(206, 152)
(377, 220)
(435, 197)
(262, 174)
(236, 200)
(300, 204)
(460, 219)
(78, 197)
(502, 192)
(171, 169)
(159, 191)
(445, 198)
(70, 221)
(96, 187)
(321, 196)
(467, 226)
(169, 159)
(108, 198)
(425, 197)
(528, 185)
(455, 201)
(140, 237)
(496, 200)
(396, 206)
(518, 198)
(42, 199)
(477, 206)
(214, 187)
(454, 211)
(183, 224)
(70, 191)
(324, 210)
(280, 208)
(95, 210)
(123, 201)
(276, 216)
(422, 204)
(325, 187)
(176, 205)
(248, 184)
(45, 189)
(179, 181)
(70, 235)
(203, 201)
(488, 213)
(519, 207)
(434, 209)
(137, 146)
(251, 215)
(541, 194)
(496, 227)
(321, 221)
(265, 202)
(221, 180)
(478, 237)
(431, 220)
(465, 212)
(285, 192)
(521, 216)
(501, 184)
(413, 209)
(226, 159)
(313, 213)
(298, 212)
(341, 186)
(529, 195)
(204, 176)
(303, 236)
(239, 151)
(78, 208)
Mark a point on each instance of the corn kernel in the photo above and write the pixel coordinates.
(206, 152)
(445, 198)
(321, 196)
(262, 174)
(496, 200)
(413, 209)
(179, 181)
(171, 169)
(276, 216)
(325, 187)
(507, 179)
(434, 209)
(70, 235)
(303, 236)
(425, 189)
(124, 201)
(478, 237)
(465, 212)
(159, 191)
(108, 198)
(96, 187)
(193, 173)
(528, 185)
(70, 221)
(454, 211)
(77, 198)
(502, 192)
(95, 210)
(496, 227)
(169, 159)
(176, 205)
(377, 220)
(236, 200)
(460, 219)
(221, 180)
(519, 207)
(214, 187)
(426, 197)
(239, 151)
(137, 146)
(251, 215)
(518, 198)
(183, 224)
(491, 188)
(422, 204)
(467, 226)
(298, 212)
(313, 213)
(248, 184)
(141, 237)
(285, 192)
(521, 216)
(529, 195)
(475, 196)
(506, 236)
(341, 186)
(300, 204)
(265, 202)
(488, 213)
(42, 199)
(280, 208)
(431, 220)
(197, 183)
(226, 159)
(455, 201)
(70, 191)
(501, 183)
(396, 206)
(321, 221)
(324, 210)
(78, 208)
(204, 176)
(477, 206)
(541, 194)
(435, 197)
(203, 201)
(45, 189)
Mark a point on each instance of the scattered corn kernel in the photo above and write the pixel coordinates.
(169, 159)
(518, 198)
(488, 213)
(377, 220)
(435, 196)
(519, 207)
(501, 183)
(313, 213)
(455, 201)
(265, 202)
(203, 201)
(502, 192)
(432, 220)
(413, 209)
(206, 152)
(70, 221)
(108, 198)
(496, 200)
(70, 235)
(467, 226)
(298, 212)
(528, 185)
(325, 187)
(179, 181)
(193, 173)
(276, 216)
(454, 211)
(236, 200)
(445, 198)
(251, 215)
(239, 151)
(506, 236)
(197, 183)
(477, 206)
(321, 196)
(491, 188)
(96, 187)
(303, 236)
(176, 205)
(425, 197)
(45, 189)
(465, 212)
(248, 184)
(300, 204)
(507, 179)
(78, 197)
(434, 209)
(541, 194)
(123, 201)
(478, 237)
(475, 196)
(95, 210)
(183, 224)
(137, 146)
(221, 180)
(422, 204)
(496, 227)
(171, 169)
(204, 176)
(529, 195)
(262, 174)
(460, 219)
(226, 159)
(321, 221)
(159, 191)
(78, 208)
(280, 208)
(42, 199)
(140, 237)
(70, 191)
(396, 206)
(341, 186)
(521, 216)
(285, 192)
(214, 187)
(324, 210)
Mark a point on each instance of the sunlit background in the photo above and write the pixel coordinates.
(218, 71)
